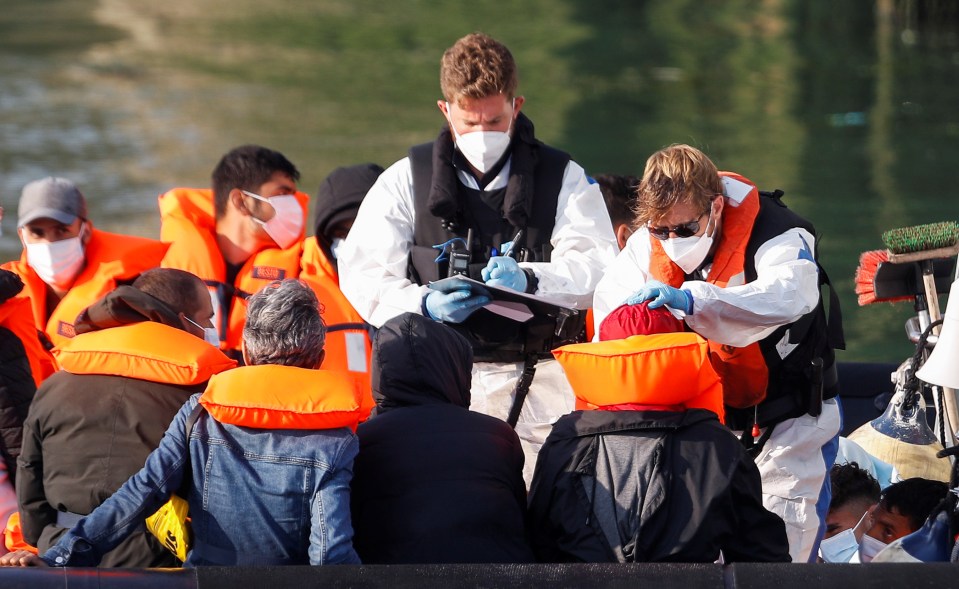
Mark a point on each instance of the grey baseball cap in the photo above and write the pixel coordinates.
(51, 198)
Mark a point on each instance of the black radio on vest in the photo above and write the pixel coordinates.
(459, 263)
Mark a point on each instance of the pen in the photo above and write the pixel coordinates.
(512, 244)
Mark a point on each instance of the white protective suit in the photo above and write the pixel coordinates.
(795, 461)
(373, 276)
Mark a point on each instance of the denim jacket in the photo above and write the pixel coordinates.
(257, 497)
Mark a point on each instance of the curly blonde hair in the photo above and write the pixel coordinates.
(675, 174)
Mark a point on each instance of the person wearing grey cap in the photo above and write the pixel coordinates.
(67, 263)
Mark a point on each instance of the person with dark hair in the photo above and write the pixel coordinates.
(268, 458)
(137, 357)
(67, 263)
(619, 192)
(428, 467)
(336, 204)
(241, 235)
(854, 493)
(902, 509)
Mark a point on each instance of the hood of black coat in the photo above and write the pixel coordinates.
(339, 197)
(123, 306)
(417, 361)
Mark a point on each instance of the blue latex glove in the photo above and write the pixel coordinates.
(504, 271)
(659, 294)
(454, 306)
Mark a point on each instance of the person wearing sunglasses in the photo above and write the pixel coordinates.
(739, 268)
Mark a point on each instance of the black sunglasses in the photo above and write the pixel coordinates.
(684, 230)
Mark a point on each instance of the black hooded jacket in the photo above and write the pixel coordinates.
(433, 481)
(16, 383)
(649, 486)
(86, 434)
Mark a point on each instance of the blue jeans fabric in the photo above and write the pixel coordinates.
(257, 497)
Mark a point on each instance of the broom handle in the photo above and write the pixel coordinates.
(948, 395)
(932, 297)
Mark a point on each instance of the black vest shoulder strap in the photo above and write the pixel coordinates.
(421, 166)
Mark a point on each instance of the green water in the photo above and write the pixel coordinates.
(849, 106)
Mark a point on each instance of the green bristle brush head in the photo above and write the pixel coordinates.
(921, 237)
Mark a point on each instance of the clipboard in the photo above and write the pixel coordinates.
(518, 306)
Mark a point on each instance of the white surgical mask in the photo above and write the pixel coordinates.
(287, 222)
(482, 149)
(336, 247)
(57, 263)
(210, 335)
(690, 252)
(843, 546)
(839, 548)
(869, 547)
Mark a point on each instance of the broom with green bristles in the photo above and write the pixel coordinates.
(907, 270)
(923, 244)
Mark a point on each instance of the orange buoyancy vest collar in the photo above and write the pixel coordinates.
(110, 258)
(743, 370)
(348, 346)
(188, 223)
(660, 369)
(146, 351)
(15, 316)
(315, 263)
(271, 396)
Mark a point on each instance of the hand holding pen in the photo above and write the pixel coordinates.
(504, 271)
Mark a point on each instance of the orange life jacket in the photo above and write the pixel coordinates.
(743, 370)
(147, 351)
(111, 259)
(13, 535)
(15, 315)
(663, 369)
(348, 345)
(270, 396)
(188, 223)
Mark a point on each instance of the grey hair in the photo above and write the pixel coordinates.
(284, 326)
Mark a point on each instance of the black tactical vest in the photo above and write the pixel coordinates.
(494, 338)
(797, 383)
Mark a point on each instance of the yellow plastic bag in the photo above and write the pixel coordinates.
(171, 525)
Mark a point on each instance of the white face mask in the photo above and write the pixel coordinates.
(336, 247)
(690, 252)
(210, 335)
(869, 547)
(840, 547)
(843, 546)
(57, 263)
(287, 222)
(482, 149)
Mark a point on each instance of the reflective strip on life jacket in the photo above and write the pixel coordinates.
(348, 345)
(146, 351)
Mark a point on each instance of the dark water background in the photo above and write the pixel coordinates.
(851, 107)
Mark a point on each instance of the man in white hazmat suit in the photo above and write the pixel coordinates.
(739, 268)
(454, 206)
